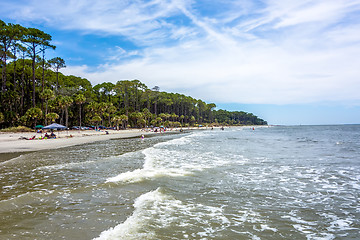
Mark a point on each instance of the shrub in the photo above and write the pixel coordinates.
(17, 129)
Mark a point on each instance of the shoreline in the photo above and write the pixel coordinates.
(14, 143)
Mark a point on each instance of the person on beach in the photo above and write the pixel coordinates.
(32, 138)
(52, 135)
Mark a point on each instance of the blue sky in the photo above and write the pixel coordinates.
(287, 61)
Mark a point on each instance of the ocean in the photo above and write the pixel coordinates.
(276, 182)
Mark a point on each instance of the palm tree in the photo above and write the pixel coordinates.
(95, 120)
(61, 104)
(110, 110)
(116, 119)
(67, 103)
(147, 115)
(103, 106)
(135, 117)
(51, 117)
(80, 99)
(124, 120)
(141, 122)
(93, 108)
(158, 120)
(182, 120)
(2, 118)
(47, 95)
(192, 120)
(174, 116)
(34, 114)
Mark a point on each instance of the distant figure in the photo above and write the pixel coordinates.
(212, 128)
(222, 128)
(52, 135)
(32, 138)
(106, 132)
(142, 137)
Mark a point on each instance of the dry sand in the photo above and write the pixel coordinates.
(12, 142)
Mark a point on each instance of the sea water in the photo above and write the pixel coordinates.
(281, 182)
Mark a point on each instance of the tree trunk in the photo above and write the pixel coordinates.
(4, 76)
(4, 69)
(66, 116)
(57, 81)
(46, 113)
(14, 71)
(33, 75)
(43, 72)
(80, 118)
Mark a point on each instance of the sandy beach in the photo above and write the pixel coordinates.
(14, 142)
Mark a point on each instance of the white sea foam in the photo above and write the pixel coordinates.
(157, 210)
(265, 227)
(157, 164)
(63, 166)
(164, 161)
(176, 141)
(161, 162)
(341, 224)
(299, 220)
(140, 175)
(135, 226)
(323, 236)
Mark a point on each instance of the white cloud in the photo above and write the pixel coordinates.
(278, 52)
(252, 73)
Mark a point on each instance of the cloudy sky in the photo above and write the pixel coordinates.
(287, 61)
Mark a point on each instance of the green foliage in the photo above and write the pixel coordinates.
(31, 87)
(52, 117)
(47, 94)
(17, 129)
(2, 118)
(34, 113)
(80, 99)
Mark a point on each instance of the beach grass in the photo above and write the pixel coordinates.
(17, 129)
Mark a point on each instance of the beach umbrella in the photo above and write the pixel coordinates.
(39, 126)
(54, 126)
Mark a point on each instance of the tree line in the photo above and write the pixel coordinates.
(34, 91)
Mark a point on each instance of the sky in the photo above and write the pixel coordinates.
(287, 61)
